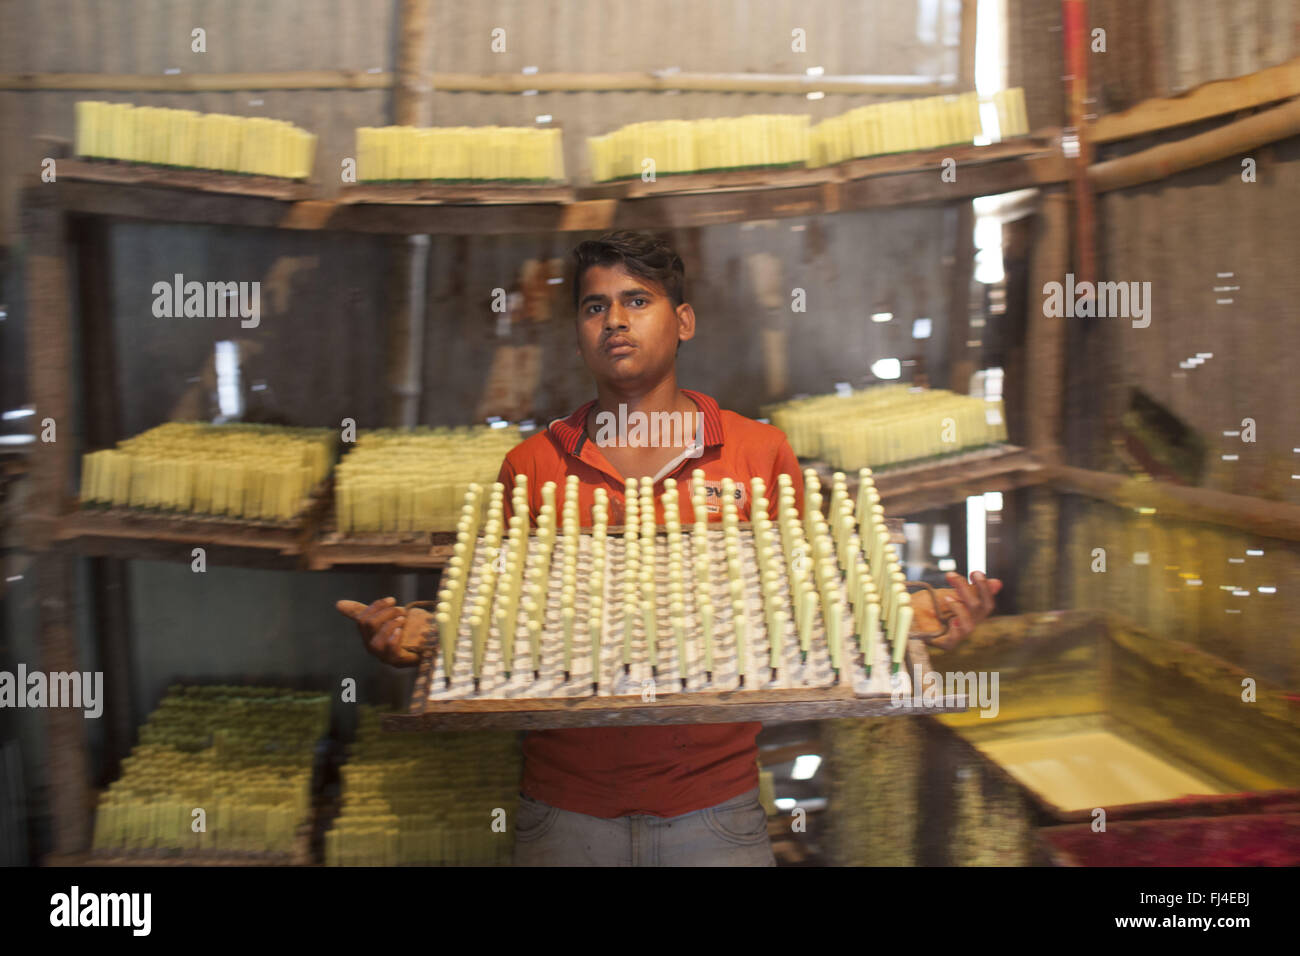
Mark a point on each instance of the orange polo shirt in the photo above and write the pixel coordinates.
(660, 770)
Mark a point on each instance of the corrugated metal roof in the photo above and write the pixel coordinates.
(850, 265)
(152, 36)
(1188, 235)
(1154, 48)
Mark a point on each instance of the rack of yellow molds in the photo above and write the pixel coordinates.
(220, 773)
(209, 152)
(888, 425)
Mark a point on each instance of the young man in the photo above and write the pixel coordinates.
(656, 795)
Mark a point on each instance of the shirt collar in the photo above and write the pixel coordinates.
(571, 432)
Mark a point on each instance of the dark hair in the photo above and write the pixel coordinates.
(640, 254)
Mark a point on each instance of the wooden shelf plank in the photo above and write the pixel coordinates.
(680, 184)
(186, 196)
(431, 193)
(137, 534)
(151, 204)
(396, 550)
(199, 180)
(1261, 516)
(925, 185)
(182, 552)
(131, 524)
(709, 209)
(911, 488)
(125, 533)
(1204, 102)
(1038, 145)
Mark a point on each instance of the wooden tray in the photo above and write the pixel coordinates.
(674, 707)
(636, 648)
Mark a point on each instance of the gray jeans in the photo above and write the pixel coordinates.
(733, 833)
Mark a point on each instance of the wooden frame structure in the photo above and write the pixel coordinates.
(56, 532)
(93, 192)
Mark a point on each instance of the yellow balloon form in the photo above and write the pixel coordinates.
(192, 140)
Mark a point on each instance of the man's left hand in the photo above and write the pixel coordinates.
(963, 606)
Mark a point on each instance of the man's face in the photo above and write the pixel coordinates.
(628, 329)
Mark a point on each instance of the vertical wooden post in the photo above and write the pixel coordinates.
(1039, 551)
(49, 381)
(1044, 402)
(102, 411)
(412, 106)
(1074, 16)
(67, 765)
(1045, 351)
(966, 54)
(960, 366)
(1047, 358)
(1045, 336)
(413, 89)
(49, 358)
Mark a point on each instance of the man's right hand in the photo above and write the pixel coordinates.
(393, 634)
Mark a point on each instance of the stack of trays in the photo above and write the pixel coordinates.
(428, 800)
(241, 755)
(265, 472)
(905, 125)
(888, 425)
(775, 140)
(705, 145)
(190, 140)
(459, 154)
(416, 479)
